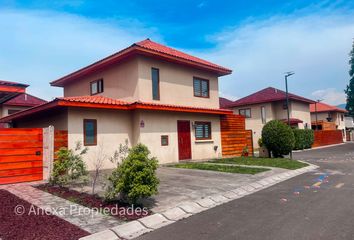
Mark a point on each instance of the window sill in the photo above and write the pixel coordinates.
(204, 141)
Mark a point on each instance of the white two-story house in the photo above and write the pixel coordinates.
(147, 93)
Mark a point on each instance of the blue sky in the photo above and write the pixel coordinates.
(43, 40)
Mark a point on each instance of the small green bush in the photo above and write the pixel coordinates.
(135, 177)
(278, 138)
(304, 138)
(69, 166)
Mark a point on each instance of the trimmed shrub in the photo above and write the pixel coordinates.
(304, 138)
(278, 138)
(135, 178)
(69, 166)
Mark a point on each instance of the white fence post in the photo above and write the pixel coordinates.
(48, 152)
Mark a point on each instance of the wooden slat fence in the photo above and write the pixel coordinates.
(21, 155)
(234, 136)
(327, 137)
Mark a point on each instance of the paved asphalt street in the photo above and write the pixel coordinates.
(315, 205)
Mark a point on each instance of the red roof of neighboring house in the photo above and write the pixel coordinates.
(15, 84)
(269, 94)
(224, 102)
(148, 48)
(323, 107)
(24, 99)
(292, 121)
(110, 103)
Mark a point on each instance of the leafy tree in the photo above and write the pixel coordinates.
(278, 138)
(135, 177)
(350, 87)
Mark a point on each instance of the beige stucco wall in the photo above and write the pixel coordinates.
(176, 84)
(120, 81)
(301, 111)
(165, 123)
(4, 109)
(131, 81)
(113, 128)
(255, 122)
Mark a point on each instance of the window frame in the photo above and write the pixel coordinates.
(245, 109)
(158, 83)
(201, 91)
(263, 118)
(166, 138)
(209, 128)
(13, 111)
(98, 88)
(95, 132)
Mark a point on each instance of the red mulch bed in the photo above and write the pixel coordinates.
(29, 226)
(94, 201)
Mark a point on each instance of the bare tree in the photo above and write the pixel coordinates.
(120, 154)
(98, 162)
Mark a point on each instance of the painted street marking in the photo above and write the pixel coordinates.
(339, 185)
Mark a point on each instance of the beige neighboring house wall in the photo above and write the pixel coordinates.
(274, 111)
(337, 117)
(131, 81)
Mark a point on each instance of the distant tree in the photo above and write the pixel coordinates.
(350, 87)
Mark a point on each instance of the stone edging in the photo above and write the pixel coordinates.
(147, 224)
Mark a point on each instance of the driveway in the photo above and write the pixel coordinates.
(315, 205)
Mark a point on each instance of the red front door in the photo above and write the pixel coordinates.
(184, 140)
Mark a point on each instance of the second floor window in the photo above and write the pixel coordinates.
(155, 77)
(263, 115)
(96, 86)
(245, 112)
(201, 87)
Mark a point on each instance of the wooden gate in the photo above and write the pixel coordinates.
(21, 155)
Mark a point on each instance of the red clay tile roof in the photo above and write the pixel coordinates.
(323, 107)
(110, 103)
(24, 99)
(95, 99)
(224, 102)
(269, 94)
(8, 83)
(148, 48)
(292, 121)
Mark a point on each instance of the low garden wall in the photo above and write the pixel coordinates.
(327, 137)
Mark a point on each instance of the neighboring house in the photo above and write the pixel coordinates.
(327, 117)
(349, 126)
(270, 104)
(13, 98)
(224, 102)
(147, 93)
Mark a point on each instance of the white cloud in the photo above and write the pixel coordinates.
(330, 95)
(38, 46)
(315, 46)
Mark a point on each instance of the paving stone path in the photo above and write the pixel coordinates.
(83, 217)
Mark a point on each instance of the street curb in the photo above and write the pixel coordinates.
(147, 224)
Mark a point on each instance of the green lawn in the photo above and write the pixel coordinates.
(268, 162)
(220, 168)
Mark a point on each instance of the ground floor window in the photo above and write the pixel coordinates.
(202, 130)
(90, 132)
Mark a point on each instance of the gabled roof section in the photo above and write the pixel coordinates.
(24, 99)
(224, 102)
(101, 102)
(266, 95)
(14, 84)
(323, 107)
(148, 48)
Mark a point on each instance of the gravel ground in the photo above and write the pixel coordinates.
(29, 225)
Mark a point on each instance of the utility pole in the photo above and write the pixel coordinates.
(318, 101)
(288, 74)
